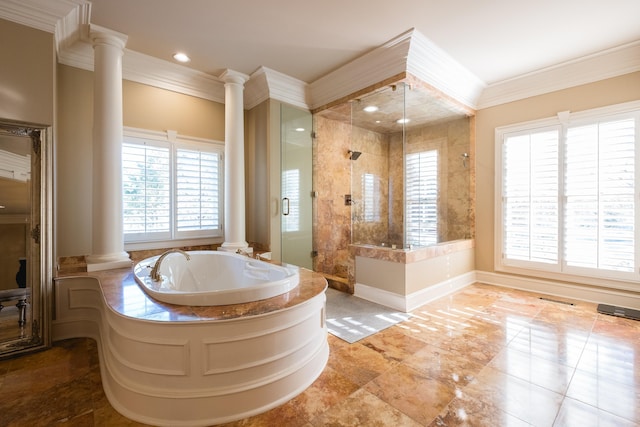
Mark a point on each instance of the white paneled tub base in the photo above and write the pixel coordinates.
(191, 373)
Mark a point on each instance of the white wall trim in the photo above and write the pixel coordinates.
(562, 290)
(606, 64)
(437, 68)
(380, 296)
(416, 299)
(156, 72)
(373, 67)
(410, 52)
(266, 83)
(43, 15)
(573, 291)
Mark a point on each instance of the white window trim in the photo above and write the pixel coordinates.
(171, 137)
(563, 118)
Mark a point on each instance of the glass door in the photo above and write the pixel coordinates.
(296, 186)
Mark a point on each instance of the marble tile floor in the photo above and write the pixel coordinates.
(483, 356)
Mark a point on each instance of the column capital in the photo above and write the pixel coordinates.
(231, 76)
(104, 36)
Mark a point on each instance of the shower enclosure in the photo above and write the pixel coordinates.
(410, 167)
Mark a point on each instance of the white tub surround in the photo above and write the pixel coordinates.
(107, 230)
(405, 279)
(170, 365)
(234, 190)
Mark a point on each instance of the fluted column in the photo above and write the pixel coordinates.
(107, 229)
(234, 189)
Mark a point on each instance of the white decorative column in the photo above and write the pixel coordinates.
(234, 189)
(107, 230)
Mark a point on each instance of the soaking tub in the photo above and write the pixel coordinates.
(213, 278)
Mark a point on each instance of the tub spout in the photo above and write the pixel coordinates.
(155, 272)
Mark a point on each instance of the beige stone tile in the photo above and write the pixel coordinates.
(598, 389)
(451, 367)
(364, 409)
(522, 399)
(467, 411)
(393, 344)
(559, 343)
(412, 392)
(543, 372)
(358, 363)
(578, 414)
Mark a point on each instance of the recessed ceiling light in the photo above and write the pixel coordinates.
(299, 129)
(370, 108)
(181, 57)
(2, 207)
(402, 121)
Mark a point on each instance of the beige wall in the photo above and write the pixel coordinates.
(148, 107)
(144, 107)
(26, 74)
(606, 92)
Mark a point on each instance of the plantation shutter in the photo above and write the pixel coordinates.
(530, 196)
(197, 190)
(422, 198)
(599, 192)
(146, 190)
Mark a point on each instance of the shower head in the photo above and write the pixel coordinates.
(353, 155)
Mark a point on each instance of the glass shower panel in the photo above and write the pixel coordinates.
(296, 186)
(377, 169)
(437, 171)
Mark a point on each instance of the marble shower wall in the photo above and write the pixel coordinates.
(332, 181)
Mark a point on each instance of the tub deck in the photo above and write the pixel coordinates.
(123, 294)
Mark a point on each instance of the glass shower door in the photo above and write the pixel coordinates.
(296, 187)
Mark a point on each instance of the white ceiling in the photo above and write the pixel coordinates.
(495, 39)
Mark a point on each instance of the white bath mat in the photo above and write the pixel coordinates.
(351, 318)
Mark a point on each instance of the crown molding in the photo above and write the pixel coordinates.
(437, 68)
(145, 69)
(606, 64)
(40, 14)
(163, 74)
(74, 26)
(409, 53)
(256, 90)
(365, 71)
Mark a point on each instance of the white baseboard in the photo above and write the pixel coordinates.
(563, 290)
(407, 303)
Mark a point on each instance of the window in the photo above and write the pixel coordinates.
(291, 203)
(422, 198)
(171, 189)
(567, 194)
(371, 197)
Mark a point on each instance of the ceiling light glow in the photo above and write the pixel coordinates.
(181, 57)
(299, 129)
(370, 108)
(402, 121)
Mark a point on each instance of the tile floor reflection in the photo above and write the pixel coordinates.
(484, 356)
